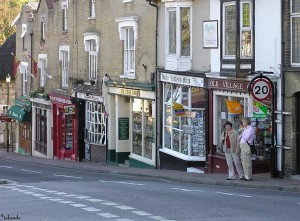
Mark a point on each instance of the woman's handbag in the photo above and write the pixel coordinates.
(252, 148)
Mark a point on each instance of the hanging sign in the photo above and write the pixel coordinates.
(260, 111)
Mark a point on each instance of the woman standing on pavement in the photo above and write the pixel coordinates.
(230, 141)
(246, 138)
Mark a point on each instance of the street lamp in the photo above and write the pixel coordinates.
(7, 133)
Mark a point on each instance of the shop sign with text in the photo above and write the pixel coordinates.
(225, 84)
(185, 80)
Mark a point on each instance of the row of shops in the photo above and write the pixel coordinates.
(173, 123)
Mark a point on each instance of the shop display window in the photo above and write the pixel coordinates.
(143, 128)
(41, 131)
(261, 120)
(184, 130)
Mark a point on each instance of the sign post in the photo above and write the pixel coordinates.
(261, 87)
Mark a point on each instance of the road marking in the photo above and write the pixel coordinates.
(124, 207)
(159, 218)
(94, 200)
(228, 194)
(123, 220)
(75, 177)
(60, 193)
(27, 192)
(119, 182)
(107, 215)
(71, 195)
(78, 205)
(109, 204)
(246, 196)
(46, 197)
(6, 167)
(38, 194)
(30, 171)
(91, 209)
(51, 191)
(82, 197)
(187, 190)
(66, 202)
(141, 213)
(56, 199)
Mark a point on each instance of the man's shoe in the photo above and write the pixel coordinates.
(230, 178)
(248, 179)
(242, 178)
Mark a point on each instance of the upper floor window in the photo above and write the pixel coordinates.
(128, 31)
(92, 8)
(24, 71)
(64, 57)
(43, 24)
(64, 7)
(295, 32)
(179, 31)
(42, 64)
(91, 42)
(231, 28)
(24, 30)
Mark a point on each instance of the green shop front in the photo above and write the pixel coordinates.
(21, 112)
(131, 124)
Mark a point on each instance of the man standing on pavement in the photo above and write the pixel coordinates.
(247, 135)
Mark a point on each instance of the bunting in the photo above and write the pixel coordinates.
(234, 107)
(35, 66)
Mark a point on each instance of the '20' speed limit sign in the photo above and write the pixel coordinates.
(261, 89)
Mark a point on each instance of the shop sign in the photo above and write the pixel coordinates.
(90, 97)
(130, 92)
(260, 111)
(60, 99)
(184, 80)
(225, 84)
(69, 109)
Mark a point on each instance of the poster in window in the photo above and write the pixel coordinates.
(210, 34)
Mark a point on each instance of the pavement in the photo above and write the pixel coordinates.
(260, 181)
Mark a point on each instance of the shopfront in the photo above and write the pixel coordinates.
(21, 112)
(131, 120)
(231, 101)
(92, 126)
(64, 127)
(184, 122)
(41, 128)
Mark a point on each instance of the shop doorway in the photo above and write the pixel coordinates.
(297, 120)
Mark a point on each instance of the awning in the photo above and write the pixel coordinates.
(18, 113)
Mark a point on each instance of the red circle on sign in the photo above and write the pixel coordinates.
(261, 89)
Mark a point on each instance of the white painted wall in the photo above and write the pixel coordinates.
(215, 53)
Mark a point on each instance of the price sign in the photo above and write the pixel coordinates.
(261, 89)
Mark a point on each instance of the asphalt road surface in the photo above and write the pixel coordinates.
(40, 193)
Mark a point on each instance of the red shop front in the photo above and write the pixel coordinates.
(64, 127)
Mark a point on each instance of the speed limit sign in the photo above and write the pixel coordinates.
(261, 89)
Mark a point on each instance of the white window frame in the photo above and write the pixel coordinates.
(125, 24)
(293, 15)
(226, 4)
(91, 43)
(176, 61)
(64, 57)
(92, 9)
(24, 71)
(95, 123)
(24, 30)
(65, 16)
(42, 65)
(126, 1)
(242, 29)
(43, 27)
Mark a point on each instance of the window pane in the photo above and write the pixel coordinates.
(246, 15)
(296, 40)
(230, 30)
(246, 44)
(172, 32)
(185, 31)
(295, 6)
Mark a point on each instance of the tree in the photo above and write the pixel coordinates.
(9, 9)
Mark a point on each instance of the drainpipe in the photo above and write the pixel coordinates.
(156, 82)
(31, 78)
(282, 91)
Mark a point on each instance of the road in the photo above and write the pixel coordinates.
(40, 193)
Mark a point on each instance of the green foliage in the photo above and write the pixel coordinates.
(9, 9)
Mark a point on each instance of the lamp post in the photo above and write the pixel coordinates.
(7, 133)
